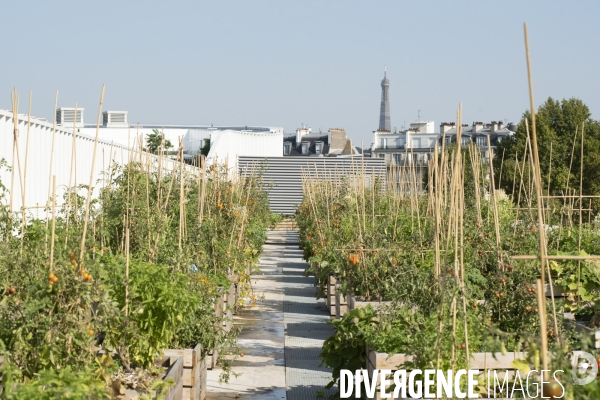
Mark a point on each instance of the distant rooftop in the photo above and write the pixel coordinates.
(256, 129)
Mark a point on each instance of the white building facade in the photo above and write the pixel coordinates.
(226, 142)
(42, 152)
(416, 144)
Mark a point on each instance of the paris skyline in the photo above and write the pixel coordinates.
(312, 63)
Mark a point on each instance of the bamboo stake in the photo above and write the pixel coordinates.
(559, 257)
(53, 223)
(181, 195)
(501, 165)
(462, 264)
(495, 205)
(580, 216)
(201, 206)
(438, 267)
(512, 193)
(149, 234)
(127, 272)
(542, 313)
(71, 172)
(24, 188)
(16, 152)
(51, 165)
(91, 182)
(541, 230)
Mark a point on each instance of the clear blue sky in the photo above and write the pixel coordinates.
(284, 63)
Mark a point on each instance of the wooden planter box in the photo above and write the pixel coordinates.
(194, 371)
(480, 361)
(558, 292)
(175, 371)
(341, 305)
(330, 295)
(229, 300)
(353, 303)
(213, 354)
(235, 280)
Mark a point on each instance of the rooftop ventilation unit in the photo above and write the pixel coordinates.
(66, 117)
(114, 119)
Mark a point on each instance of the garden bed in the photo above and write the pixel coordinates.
(194, 371)
(353, 303)
(229, 301)
(219, 306)
(330, 299)
(136, 270)
(173, 370)
(479, 361)
(341, 303)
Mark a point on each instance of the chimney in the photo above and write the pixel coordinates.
(477, 126)
(300, 132)
(493, 126)
(446, 126)
(337, 140)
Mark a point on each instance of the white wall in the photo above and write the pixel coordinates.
(119, 135)
(231, 144)
(424, 126)
(37, 182)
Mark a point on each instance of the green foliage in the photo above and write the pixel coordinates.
(450, 280)
(558, 124)
(158, 302)
(156, 142)
(274, 219)
(206, 148)
(49, 325)
(180, 251)
(52, 384)
(345, 349)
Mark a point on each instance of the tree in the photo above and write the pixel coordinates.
(558, 125)
(206, 148)
(156, 141)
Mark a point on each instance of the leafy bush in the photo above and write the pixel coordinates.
(158, 303)
(54, 384)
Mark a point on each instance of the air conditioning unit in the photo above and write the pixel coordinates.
(114, 119)
(66, 117)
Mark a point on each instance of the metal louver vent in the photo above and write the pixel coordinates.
(66, 116)
(117, 117)
(114, 119)
(282, 176)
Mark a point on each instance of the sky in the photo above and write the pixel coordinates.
(283, 63)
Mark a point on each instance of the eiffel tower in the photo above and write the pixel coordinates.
(384, 112)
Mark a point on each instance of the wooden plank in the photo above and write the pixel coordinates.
(203, 376)
(340, 299)
(494, 360)
(193, 393)
(231, 298)
(385, 361)
(176, 372)
(377, 360)
(340, 309)
(190, 356)
(211, 359)
(191, 376)
(353, 303)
